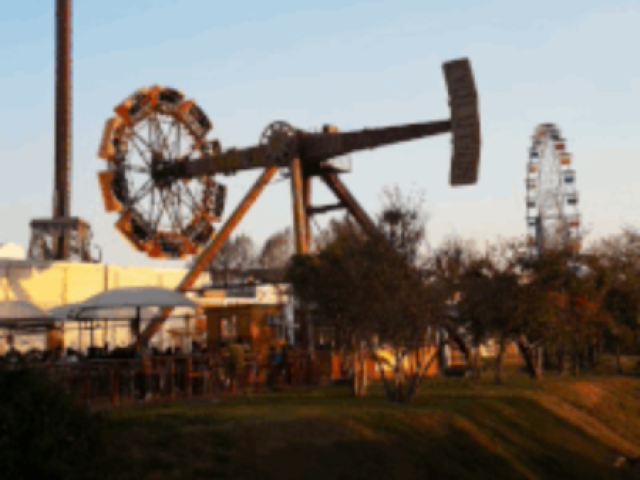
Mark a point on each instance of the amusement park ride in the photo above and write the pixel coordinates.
(161, 169)
(553, 218)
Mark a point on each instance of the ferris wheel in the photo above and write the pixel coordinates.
(154, 129)
(553, 217)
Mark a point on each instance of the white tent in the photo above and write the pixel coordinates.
(134, 304)
(136, 297)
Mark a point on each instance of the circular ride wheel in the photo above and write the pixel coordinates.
(553, 217)
(163, 217)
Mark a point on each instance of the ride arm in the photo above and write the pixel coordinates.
(311, 148)
(225, 163)
(324, 146)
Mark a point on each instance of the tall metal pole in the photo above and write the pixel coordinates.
(306, 197)
(62, 194)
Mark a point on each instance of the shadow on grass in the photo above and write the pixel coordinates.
(540, 441)
(329, 435)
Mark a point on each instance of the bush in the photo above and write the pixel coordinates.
(43, 433)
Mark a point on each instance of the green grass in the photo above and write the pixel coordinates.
(557, 428)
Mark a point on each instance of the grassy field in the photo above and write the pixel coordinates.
(558, 428)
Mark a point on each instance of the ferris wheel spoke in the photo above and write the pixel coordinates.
(162, 140)
(170, 144)
(195, 204)
(135, 134)
(140, 151)
(154, 134)
(146, 188)
(153, 204)
(190, 204)
(161, 207)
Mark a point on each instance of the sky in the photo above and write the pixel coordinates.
(348, 63)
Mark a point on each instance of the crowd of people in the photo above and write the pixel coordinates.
(236, 362)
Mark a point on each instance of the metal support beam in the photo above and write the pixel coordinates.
(340, 190)
(311, 211)
(299, 213)
(212, 249)
(306, 198)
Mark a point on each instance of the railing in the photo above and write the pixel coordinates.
(119, 382)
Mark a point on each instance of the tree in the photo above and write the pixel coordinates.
(237, 253)
(619, 254)
(330, 282)
(568, 294)
(443, 270)
(373, 293)
(277, 249)
(402, 221)
(490, 299)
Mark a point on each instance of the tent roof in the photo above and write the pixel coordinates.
(137, 297)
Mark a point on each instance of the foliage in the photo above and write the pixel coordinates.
(238, 252)
(371, 291)
(402, 221)
(43, 434)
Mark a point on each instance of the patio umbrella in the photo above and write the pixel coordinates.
(136, 298)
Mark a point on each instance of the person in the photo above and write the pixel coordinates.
(273, 360)
(286, 363)
(13, 355)
(237, 365)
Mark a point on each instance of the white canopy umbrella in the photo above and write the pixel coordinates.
(136, 297)
(148, 299)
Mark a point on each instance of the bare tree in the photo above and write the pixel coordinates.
(238, 253)
(277, 249)
(402, 220)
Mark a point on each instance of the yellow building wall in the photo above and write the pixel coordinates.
(49, 285)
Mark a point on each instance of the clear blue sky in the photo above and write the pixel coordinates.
(353, 64)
